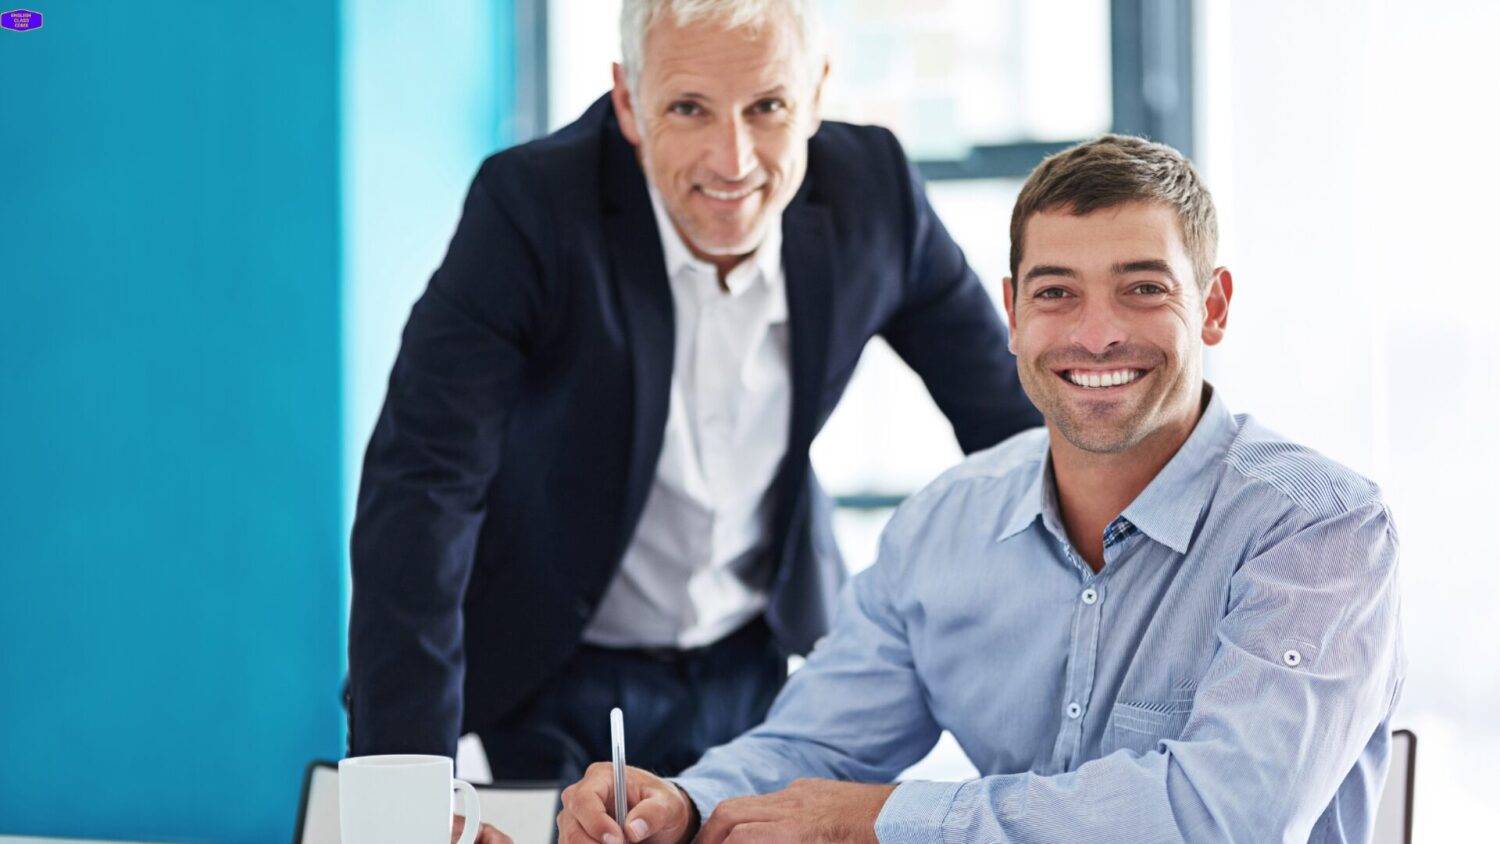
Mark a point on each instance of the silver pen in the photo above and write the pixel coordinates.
(617, 752)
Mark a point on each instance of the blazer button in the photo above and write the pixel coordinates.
(584, 608)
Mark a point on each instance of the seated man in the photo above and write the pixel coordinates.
(1153, 620)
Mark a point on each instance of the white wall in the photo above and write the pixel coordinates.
(1349, 145)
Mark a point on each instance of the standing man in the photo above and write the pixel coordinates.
(589, 485)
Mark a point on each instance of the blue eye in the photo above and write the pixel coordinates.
(685, 108)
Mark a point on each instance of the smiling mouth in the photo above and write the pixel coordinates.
(728, 195)
(1101, 379)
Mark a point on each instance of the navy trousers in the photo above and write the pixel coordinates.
(677, 705)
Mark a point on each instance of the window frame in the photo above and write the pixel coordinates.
(1151, 93)
(1151, 82)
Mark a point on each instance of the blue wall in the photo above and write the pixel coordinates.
(213, 218)
(170, 424)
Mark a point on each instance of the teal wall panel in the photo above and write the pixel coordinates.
(170, 417)
(213, 218)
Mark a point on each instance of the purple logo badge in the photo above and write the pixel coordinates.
(21, 20)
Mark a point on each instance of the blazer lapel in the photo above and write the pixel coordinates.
(640, 275)
(808, 266)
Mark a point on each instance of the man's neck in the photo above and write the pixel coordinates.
(723, 264)
(1093, 488)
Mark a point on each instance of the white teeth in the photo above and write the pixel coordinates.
(728, 195)
(1113, 378)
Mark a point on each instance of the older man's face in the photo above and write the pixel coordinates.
(721, 119)
(1108, 324)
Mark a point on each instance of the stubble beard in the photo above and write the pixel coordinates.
(1129, 427)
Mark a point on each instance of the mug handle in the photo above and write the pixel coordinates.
(471, 812)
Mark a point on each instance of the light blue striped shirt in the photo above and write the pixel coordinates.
(1228, 675)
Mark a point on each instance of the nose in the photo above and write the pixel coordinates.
(1099, 327)
(731, 153)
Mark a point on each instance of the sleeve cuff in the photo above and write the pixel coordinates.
(915, 812)
(705, 794)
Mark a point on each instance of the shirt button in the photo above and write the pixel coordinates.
(1074, 710)
(1292, 658)
(1090, 596)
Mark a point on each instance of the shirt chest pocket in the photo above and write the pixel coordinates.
(1139, 725)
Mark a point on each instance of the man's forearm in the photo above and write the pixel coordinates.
(400, 701)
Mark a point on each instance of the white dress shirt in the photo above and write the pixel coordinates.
(697, 565)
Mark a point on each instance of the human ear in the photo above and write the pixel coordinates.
(1009, 286)
(624, 106)
(816, 111)
(1216, 306)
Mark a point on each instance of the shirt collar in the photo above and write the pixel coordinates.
(1167, 509)
(764, 263)
(1029, 504)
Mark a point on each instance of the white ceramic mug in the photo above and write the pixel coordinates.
(404, 799)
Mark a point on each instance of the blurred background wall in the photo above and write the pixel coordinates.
(184, 189)
(214, 218)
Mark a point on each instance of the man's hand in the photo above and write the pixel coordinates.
(806, 810)
(660, 813)
(487, 833)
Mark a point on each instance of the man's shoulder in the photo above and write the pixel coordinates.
(1014, 458)
(999, 473)
(1315, 485)
(561, 167)
(861, 142)
(851, 164)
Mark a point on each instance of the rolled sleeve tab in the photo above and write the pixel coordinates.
(915, 812)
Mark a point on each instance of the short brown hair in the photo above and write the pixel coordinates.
(1112, 170)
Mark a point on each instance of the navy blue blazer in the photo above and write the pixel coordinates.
(526, 410)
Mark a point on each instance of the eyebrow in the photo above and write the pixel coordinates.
(1048, 270)
(1152, 265)
(1145, 265)
(778, 90)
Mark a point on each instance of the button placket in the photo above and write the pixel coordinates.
(1082, 661)
(715, 396)
(1083, 568)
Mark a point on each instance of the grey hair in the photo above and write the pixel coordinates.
(636, 17)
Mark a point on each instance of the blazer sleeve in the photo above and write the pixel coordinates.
(949, 331)
(435, 449)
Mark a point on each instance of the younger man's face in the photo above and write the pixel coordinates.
(1108, 324)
